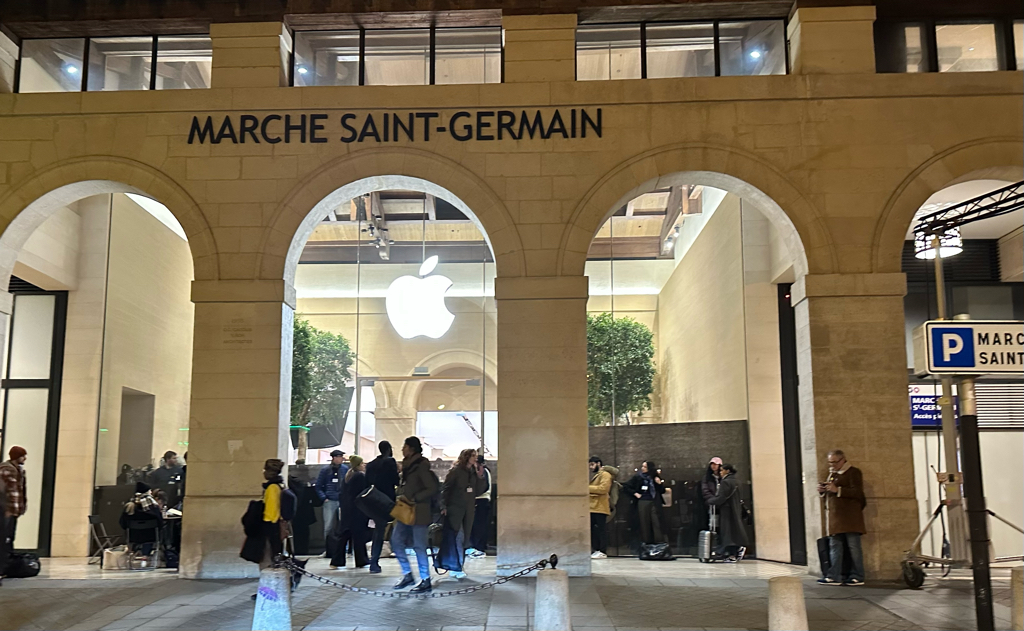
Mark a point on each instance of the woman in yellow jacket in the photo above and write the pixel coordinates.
(600, 507)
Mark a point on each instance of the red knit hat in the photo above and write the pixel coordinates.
(17, 452)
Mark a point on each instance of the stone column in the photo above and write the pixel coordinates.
(831, 40)
(394, 424)
(539, 47)
(542, 423)
(852, 366)
(250, 55)
(241, 387)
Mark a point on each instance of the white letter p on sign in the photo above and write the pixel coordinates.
(951, 345)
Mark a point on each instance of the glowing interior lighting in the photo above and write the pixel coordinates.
(950, 244)
(303, 70)
(71, 70)
(755, 54)
(441, 407)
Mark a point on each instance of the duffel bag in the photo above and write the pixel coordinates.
(375, 504)
(655, 552)
(22, 565)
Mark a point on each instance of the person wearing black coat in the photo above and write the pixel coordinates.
(732, 532)
(646, 488)
(709, 488)
(353, 524)
(382, 473)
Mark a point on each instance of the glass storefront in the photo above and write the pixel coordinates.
(408, 280)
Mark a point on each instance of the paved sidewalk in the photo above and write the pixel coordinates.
(623, 594)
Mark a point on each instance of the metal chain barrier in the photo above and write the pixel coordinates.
(286, 563)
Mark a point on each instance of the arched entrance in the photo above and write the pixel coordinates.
(99, 325)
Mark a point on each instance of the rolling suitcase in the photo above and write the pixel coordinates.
(706, 539)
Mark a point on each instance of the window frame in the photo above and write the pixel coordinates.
(432, 61)
(717, 48)
(1006, 59)
(154, 44)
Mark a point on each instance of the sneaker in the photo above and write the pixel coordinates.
(741, 553)
(828, 581)
(470, 551)
(423, 588)
(375, 569)
(458, 575)
(478, 554)
(598, 555)
(854, 582)
(406, 581)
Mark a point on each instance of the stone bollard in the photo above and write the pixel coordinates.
(787, 610)
(1017, 599)
(551, 604)
(273, 601)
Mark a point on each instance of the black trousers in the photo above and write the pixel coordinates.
(481, 524)
(355, 538)
(598, 524)
(650, 521)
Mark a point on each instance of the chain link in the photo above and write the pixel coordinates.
(288, 564)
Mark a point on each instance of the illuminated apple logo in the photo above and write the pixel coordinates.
(416, 305)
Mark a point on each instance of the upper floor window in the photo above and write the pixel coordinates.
(413, 56)
(115, 63)
(686, 49)
(948, 46)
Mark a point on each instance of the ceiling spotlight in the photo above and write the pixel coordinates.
(302, 70)
(755, 54)
(971, 48)
(71, 69)
(441, 407)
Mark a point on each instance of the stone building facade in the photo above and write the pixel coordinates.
(838, 156)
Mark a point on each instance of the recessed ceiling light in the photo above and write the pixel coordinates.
(971, 48)
(303, 70)
(72, 70)
(755, 54)
(441, 407)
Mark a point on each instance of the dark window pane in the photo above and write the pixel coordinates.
(607, 52)
(326, 58)
(752, 48)
(120, 63)
(51, 65)
(680, 50)
(398, 57)
(183, 62)
(467, 55)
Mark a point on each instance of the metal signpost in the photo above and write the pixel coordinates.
(969, 348)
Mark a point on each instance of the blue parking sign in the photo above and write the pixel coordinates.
(952, 347)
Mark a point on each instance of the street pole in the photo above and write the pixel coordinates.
(977, 513)
(951, 484)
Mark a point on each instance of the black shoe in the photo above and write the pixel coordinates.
(375, 569)
(406, 581)
(423, 588)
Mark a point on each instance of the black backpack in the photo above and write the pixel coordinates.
(289, 504)
(22, 565)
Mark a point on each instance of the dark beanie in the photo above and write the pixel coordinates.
(274, 465)
(141, 487)
(17, 452)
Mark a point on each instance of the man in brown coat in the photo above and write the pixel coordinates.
(843, 494)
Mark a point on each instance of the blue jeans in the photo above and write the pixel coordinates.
(414, 537)
(330, 516)
(851, 541)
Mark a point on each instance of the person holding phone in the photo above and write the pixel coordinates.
(646, 488)
(843, 495)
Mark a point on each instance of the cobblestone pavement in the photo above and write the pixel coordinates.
(623, 595)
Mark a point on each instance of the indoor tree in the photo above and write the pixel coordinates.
(620, 367)
(320, 363)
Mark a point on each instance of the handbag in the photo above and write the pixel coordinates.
(404, 511)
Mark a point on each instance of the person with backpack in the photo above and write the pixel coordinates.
(419, 486)
(602, 505)
(382, 473)
(353, 524)
(732, 532)
(274, 527)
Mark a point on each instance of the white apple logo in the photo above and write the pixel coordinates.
(416, 305)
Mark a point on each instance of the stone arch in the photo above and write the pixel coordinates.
(27, 206)
(734, 170)
(408, 395)
(988, 158)
(378, 169)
